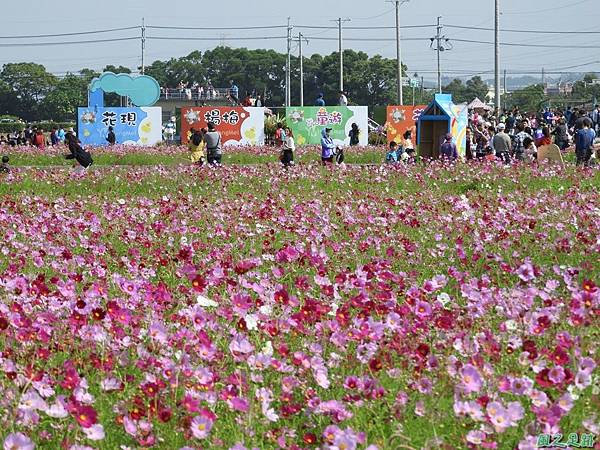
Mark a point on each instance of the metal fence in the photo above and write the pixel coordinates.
(195, 94)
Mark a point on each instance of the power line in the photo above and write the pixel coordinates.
(365, 39)
(514, 44)
(562, 7)
(462, 27)
(68, 34)
(44, 44)
(183, 38)
(266, 27)
(322, 27)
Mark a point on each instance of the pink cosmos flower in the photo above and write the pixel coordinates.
(422, 309)
(476, 437)
(498, 416)
(526, 272)
(201, 426)
(240, 346)
(95, 432)
(18, 441)
(471, 379)
(556, 374)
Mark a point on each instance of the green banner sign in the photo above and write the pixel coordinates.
(308, 122)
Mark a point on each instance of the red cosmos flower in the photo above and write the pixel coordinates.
(309, 438)
(542, 378)
(560, 356)
(137, 412)
(150, 389)
(3, 323)
(164, 415)
(71, 379)
(282, 297)
(529, 347)
(86, 416)
(589, 286)
(445, 321)
(199, 283)
(422, 350)
(241, 324)
(98, 314)
(375, 364)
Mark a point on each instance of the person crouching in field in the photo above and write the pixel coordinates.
(84, 158)
(197, 146)
(4, 167)
(391, 156)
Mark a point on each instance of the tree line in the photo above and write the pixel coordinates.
(29, 91)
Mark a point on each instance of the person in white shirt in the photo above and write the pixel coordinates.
(343, 99)
(287, 151)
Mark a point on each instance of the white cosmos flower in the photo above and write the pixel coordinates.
(443, 298)
(206, 302)
(251, 321)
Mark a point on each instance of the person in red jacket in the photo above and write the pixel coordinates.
(39, 140)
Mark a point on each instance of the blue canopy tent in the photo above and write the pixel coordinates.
(440, 118)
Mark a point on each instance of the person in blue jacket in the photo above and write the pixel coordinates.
(320, 100)
(327, 146)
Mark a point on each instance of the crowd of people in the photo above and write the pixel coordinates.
(514, 135)
(509, 136)
(34, 136)
(202, 93)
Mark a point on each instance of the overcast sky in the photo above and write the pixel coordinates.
(39, 17)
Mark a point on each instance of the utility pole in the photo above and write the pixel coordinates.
(399, 53)
(300, 39)
(288, 68)
(543, 78)
(497, 56)
(439, 49)
(505, 91)
(340, 21)
(442, 44)
(143, 45)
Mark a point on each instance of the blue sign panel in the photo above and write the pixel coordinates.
(132, 126)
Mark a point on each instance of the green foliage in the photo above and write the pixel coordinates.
(28, 84)
(467, 92)
(62, 102)
(368, 81)
(271, 124)
(527, 99)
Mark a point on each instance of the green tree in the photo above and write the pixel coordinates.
(62, 102)
(526, 99)
(29, 84)
(466, 92)
(476, 87)
(457, 89)
(115, 69)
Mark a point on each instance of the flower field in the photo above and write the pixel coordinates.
(248, 307)
(177, 154)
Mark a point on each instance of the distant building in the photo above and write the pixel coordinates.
(558, 89)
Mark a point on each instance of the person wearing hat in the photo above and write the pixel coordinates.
(502, 144)
(327, 146)
(320, 100)
(448, 149)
